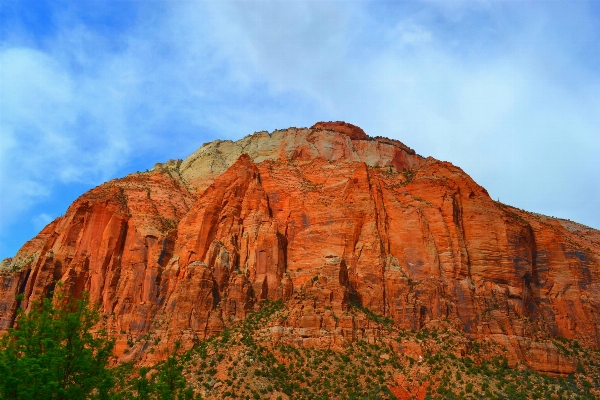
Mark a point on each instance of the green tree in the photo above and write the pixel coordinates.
(170, 382)
(142, 386)
(52, 354)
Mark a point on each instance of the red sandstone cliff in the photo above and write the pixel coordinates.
(187, 249)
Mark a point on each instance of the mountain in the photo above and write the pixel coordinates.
(356, 235)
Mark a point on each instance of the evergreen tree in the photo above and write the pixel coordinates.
(170, 383)
(167, 383)
(52, 354)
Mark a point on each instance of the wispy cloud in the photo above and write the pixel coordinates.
(41, 220)
(507, 91)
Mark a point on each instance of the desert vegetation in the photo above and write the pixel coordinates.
(52, 354)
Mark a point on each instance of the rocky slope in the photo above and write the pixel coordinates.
(248, 361)
(321, 218)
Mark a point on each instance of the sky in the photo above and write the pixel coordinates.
(93, 90)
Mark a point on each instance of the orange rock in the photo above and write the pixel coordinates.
(189, 248)
(353, 131)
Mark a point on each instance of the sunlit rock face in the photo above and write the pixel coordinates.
(332, 141)
(319, 217)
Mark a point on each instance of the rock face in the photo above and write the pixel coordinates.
(318, 217)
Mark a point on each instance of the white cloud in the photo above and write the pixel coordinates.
(34, 91)
(505, 98)
(500, 90)
(47, 129)
(41, 220)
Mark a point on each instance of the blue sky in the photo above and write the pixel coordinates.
(89, 91)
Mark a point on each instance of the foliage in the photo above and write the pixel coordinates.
(409, 174)
(52, 354)
(254, 366)
(168, 383)
(380, 319)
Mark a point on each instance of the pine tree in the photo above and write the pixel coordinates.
(52, 354)
(170, 383)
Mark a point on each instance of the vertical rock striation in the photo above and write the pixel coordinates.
(318, 217)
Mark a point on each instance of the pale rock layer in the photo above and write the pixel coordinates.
(317, 217)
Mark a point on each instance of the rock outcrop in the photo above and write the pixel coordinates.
(318, 217)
